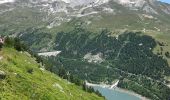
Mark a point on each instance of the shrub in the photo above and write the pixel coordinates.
(167, 54)
(1, 46)
(30, 70)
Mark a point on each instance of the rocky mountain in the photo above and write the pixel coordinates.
(98, 40)
(135, 14)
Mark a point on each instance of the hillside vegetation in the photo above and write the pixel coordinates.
(128, 57)
(22, 78)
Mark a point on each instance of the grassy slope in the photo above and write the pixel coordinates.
(161, 37)
(21, 85)
(166, 39)
(20, 19)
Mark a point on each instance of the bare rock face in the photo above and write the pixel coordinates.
(53, 13)
(2, 75)
(136, 4)
(70, 7)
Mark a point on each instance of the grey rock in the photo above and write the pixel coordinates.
(2, 75)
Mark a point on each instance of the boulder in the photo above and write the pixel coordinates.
(2, 75)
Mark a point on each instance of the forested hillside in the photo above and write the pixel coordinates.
(104, 57)
(98, 41)
(22, 78)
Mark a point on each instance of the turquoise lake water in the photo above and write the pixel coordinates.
(113, 94)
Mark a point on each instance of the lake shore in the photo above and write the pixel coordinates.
(131, 93)
(118, 89)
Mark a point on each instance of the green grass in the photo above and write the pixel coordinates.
(161, 37)
(20, 19)
(40, 85)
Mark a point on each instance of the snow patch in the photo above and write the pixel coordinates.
(6, 1)
(125, 1)
(74, 3)
(66, 1)
(131, 3)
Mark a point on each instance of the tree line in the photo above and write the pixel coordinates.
(16, 43)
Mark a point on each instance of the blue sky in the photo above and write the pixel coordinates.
(167, 1)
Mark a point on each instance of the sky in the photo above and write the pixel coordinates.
(167, 1)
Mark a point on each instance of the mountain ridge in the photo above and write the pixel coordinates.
(54, 13)
(100, 41)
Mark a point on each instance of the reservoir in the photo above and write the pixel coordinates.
(115, 94)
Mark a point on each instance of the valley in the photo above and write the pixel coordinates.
(21, 77)
(128, 57)
(98, 41)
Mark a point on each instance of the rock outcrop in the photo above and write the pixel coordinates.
(2, 75)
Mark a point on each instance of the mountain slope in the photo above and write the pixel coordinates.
(143, 15)
(105, 57)
(47, 17)
(139, 60)
(24, 80)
